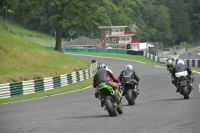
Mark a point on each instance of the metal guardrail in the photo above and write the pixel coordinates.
(33, 86)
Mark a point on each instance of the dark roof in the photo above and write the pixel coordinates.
(83, 41)
(96, 40)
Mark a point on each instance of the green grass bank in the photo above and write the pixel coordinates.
(25, 60)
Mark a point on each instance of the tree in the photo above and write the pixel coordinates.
(158, 17)
(194, 17)
(145, 33)
(66, 12)
(4, 5)
(180, 23)
(75, 31)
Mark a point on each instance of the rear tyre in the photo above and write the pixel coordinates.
(109, 106)
(130, 99)
(185, 92)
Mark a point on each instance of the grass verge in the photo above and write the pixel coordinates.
(195, 69)
(192, 46)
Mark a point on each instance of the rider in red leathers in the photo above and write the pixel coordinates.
(104, 75)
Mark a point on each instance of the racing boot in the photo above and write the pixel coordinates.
(117, 89)
(190, 88)
(177, 89)
(124, 93)
(102, 102)
(137, 88)
(136, 92)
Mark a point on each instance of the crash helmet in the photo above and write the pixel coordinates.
(170, 58)
(129, 67)
(170, 61)
(101, 65)
(180, 61)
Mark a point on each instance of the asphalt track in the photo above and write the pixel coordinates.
(194, 55)
(158, 108)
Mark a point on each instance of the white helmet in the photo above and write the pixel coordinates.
(101, 65)
(129, 67)
(180, 62)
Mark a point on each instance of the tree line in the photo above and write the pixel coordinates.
(166, 21)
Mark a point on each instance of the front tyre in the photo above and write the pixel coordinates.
(109, 106)
(130, 99)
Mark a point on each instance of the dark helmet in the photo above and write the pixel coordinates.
(101, 65)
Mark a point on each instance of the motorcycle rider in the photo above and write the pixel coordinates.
(189, 54)
(170, 58)
(179, 70)
(104, 75)
(168, 62)
(127, 75)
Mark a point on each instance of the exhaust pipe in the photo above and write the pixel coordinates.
(112, 92)
(115, 96)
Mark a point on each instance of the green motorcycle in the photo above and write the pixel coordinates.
(111, 98)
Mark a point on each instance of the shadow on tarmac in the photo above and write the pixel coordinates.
(89, 116)
(177, 99)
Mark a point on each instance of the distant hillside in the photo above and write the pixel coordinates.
(22, 59)
(31, 35)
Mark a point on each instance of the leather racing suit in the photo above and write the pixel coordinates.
(105, 75)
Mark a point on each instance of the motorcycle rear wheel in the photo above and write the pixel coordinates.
(109, 106)
(130, 98)
(184, 91)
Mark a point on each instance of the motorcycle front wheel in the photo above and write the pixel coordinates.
(109, 106)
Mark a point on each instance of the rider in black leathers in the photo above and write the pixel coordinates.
(181, 68)
(127, 75)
